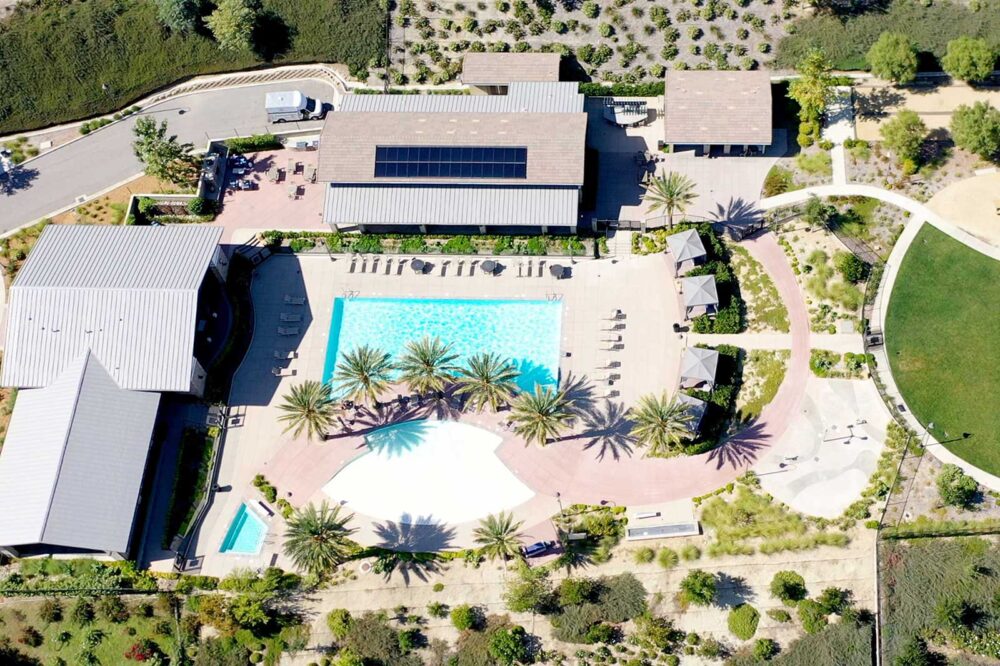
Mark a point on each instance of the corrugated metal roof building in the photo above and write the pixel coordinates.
(73, 461)
(513, 160)
(129, 294)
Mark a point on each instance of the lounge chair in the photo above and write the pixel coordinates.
(354, 264)
(288, 330)
(529, 269)
(311, 174)
(295, 300)
(388, 266)
(541, 269)
(292, 318)
(282, 372)
(459, 267)
(444, 266)
(285, 355)
(472, 266)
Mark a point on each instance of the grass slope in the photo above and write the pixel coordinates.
(67, 60)
(942, 335)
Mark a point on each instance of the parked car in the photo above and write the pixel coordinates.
(538, 548)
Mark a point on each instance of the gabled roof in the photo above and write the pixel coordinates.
(502, 68)
(73, 460)
(717, 107)
(685, 245)
(129, 294)
(699, 290)
(699, 363)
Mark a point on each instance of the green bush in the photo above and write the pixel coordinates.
(743, 621)
(601, 633)
(644, 555)
(764, 649)
(574, 591)
(652, 89)
(698, 588)
(690, 553)
(779, 615)
(850, 267)
(202, 206)
(778, 181)
(834, 600)
(458, 245)
(955, 487)
(254, 143)
(789, 587)
(339, 621)
(667, 558)
(50, 611)
(812, 616)
(465, 617)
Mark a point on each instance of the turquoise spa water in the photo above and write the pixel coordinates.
(526, 332)
(245, 534)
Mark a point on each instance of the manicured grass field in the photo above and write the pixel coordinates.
(942, 336)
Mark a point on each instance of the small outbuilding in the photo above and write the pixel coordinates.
(492, 73)
(700, 295)
(687, 250)
(698, 367)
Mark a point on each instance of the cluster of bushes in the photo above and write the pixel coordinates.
(269, 492)
(434, 244)
(369, 638)
(830, 364)
(603, 525)
(37, 576)
(149, 210)
(254, 143)
(90, 125)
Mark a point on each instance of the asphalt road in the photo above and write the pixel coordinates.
(100, 160)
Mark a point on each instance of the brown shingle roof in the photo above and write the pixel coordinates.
(555, 143)
(502, 68)
(724, 107)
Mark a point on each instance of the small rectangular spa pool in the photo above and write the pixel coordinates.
(245, 535)
(525, 331)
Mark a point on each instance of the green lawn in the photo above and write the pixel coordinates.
(942, 337)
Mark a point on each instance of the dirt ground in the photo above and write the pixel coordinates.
(743, 579)
(972, 204)
(110, 208)
(877, 101)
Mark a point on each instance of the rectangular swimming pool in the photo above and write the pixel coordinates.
(245, 535)
(527, 332)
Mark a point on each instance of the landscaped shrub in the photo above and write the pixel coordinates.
(812, 616)
(574, 591)
(698, 588)
(30, 636)
(779, 615)
(778, 181)
(50, 611)
(789, 587)
(620, 598)
(202, 206)
(644, 555)
(83, 611)
(113, 609)
(254, 143)
(834, 600)
(466, 617)
(339, 621)
(667, 558)
(955, 487)
(573, 623)
(601, 633)
(743, 621)
(690, 552)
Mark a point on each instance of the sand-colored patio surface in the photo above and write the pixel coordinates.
(972, 205)
(877, 101)
(825, 458)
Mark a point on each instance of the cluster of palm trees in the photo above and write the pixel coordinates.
(485, 381)
(427, 366)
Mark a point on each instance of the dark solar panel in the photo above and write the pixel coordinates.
(450, 162)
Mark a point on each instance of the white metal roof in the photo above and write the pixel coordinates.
(73, 460)
(685, 245)
(451, 205)
(699, 363)
(130, 294)
(521, 97)
(699, 290)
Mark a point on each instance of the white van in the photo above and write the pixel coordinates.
(291, 106)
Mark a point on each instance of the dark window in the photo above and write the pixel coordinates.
(451, 162)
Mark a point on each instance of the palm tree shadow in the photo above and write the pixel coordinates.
(579, 392)
(608, 430)
(414, 541)
(741, 449)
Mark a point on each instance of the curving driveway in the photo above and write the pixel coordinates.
(103, 159)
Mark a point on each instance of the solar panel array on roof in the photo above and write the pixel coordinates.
(451, 162)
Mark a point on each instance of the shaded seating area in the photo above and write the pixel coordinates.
(698, 368)
(695, 407)
(687, 250)
(699, 295)
(626, 112)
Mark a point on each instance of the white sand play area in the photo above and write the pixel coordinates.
(428, 472)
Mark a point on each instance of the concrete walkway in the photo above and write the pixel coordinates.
(839, 127)
(919, 215)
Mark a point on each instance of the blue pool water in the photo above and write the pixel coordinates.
(246, 533)
(526, 332)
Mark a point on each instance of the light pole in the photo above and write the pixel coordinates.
(559, 527)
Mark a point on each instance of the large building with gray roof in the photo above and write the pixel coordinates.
(510, 162)
(100, 321)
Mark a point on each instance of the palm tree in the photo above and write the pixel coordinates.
(427, 365)
(487, 380)
(672, 192)
(310, 407)
(364, 373)
(498, 536)
(318, 540)
(541, 415)
(661, 424)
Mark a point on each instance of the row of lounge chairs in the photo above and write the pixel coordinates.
(284, 357)
(612, 336)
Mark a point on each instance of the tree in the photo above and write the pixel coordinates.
(364, 373)
(893, 57)
(955, 487)
(698, 588)
(969, 59)
(178, 15)
(849, 266)
(788, 586)
(310, 407)
(673, 192)
(232, 24)
(498, 536)
(508, 646)
(817, 213)
(162, 155)
(812, 90)
(904, 135)
(427, 365)
(530, 591)
(661, 424)
(541, 415)
(976, 128)
(318, 540)
(487, 379)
